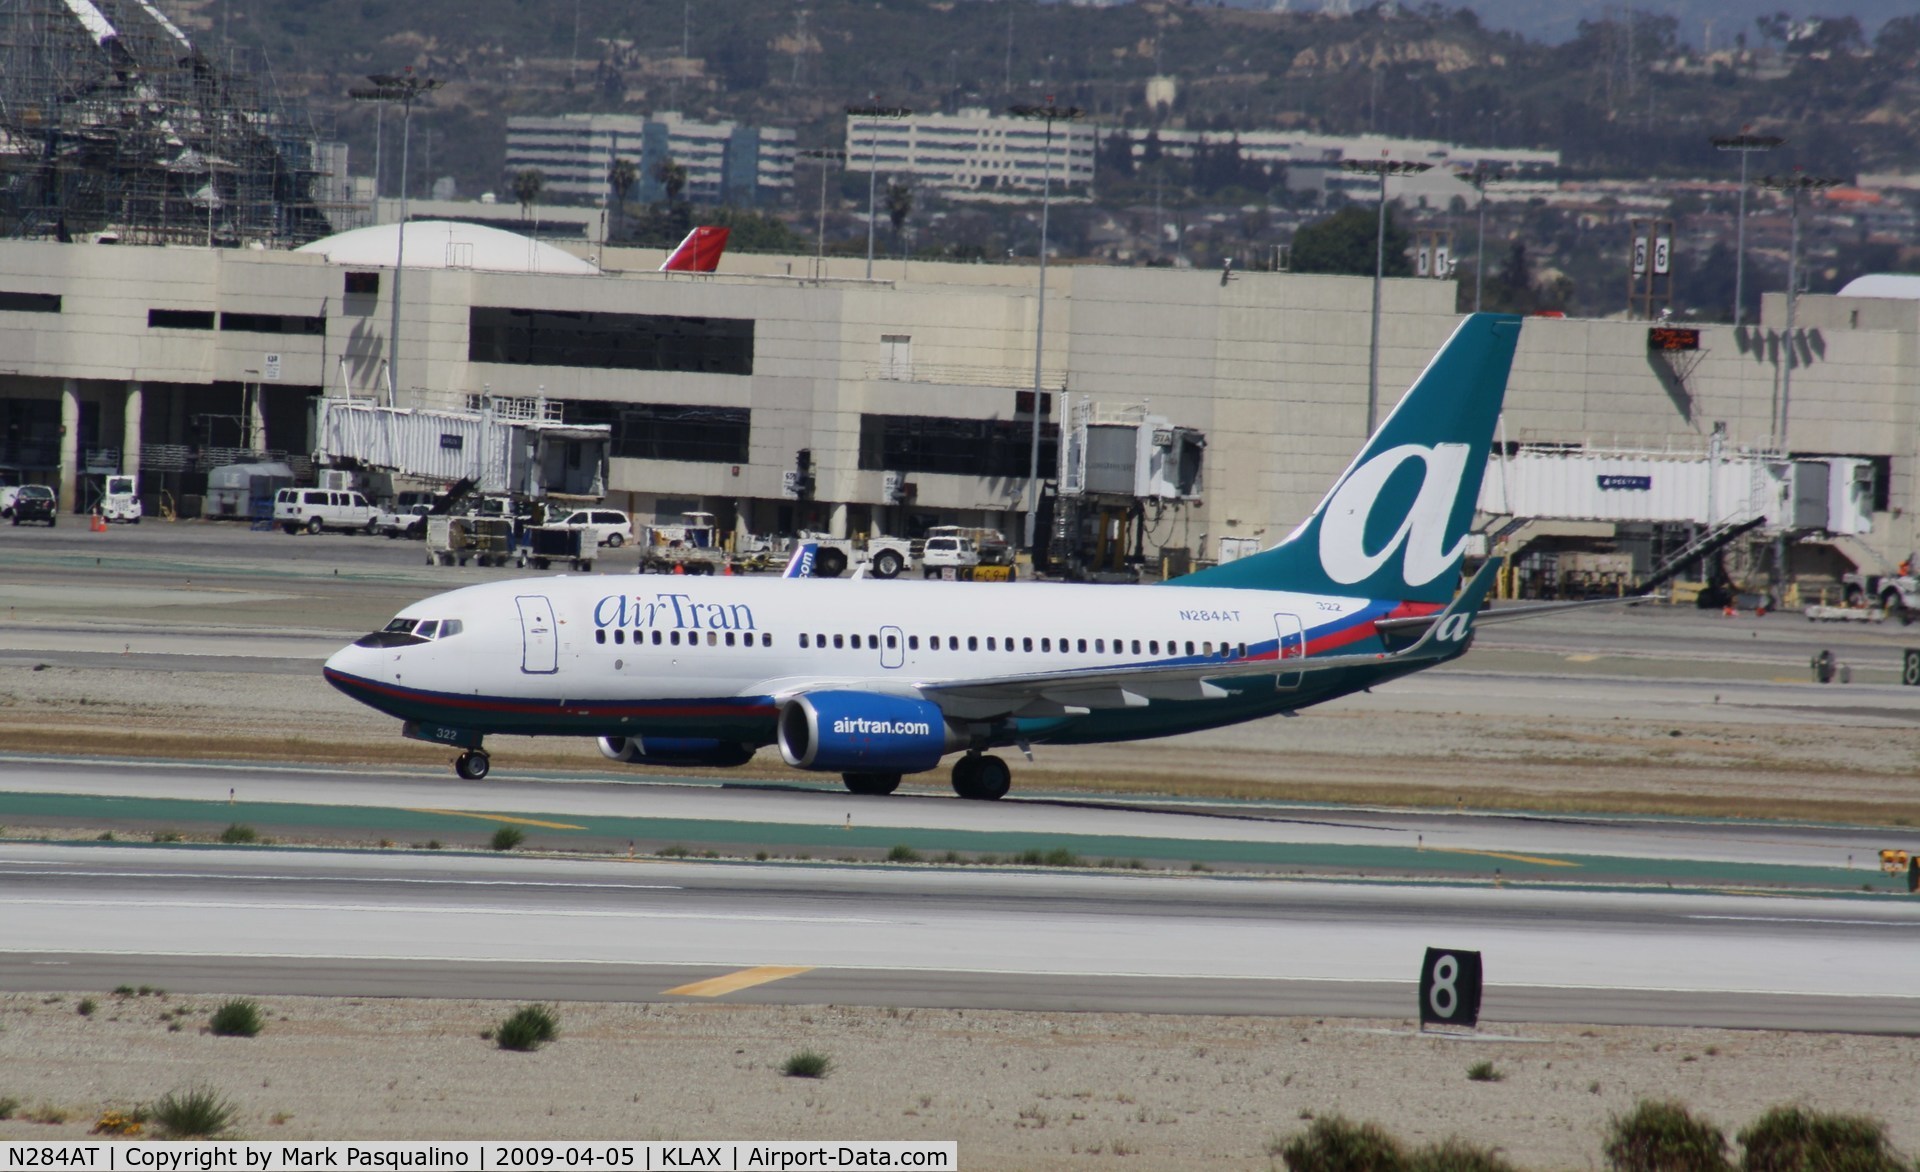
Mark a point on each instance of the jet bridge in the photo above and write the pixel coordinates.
(501, 453)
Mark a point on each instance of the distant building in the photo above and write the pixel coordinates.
(725, 161)
(974, 152)
(1296, 148)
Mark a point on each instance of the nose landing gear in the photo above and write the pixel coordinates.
(981, 778)
(472, 765)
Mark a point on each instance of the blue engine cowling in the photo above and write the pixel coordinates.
(860, 732)
(676, 751)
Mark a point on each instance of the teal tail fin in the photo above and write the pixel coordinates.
(1394, 525)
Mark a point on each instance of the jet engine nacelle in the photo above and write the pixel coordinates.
(675, 751)
(860, 732)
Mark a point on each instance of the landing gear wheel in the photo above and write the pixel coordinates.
(871, 783)
(887, 564)
(982, 779)
(472, 765)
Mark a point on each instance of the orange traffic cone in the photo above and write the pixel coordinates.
(726, 571)
(678, 568)
(98, 524)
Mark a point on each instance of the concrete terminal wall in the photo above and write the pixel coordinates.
(1272, 366)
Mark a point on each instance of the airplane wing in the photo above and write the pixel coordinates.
(1074, 692)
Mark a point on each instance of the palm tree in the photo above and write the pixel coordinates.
(899, 207)
(526, 188)
(621, 177)
(672, 176)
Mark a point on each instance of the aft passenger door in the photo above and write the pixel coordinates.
(539, 650)
(1292, 646)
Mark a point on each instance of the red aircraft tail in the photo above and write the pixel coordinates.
(699, 252)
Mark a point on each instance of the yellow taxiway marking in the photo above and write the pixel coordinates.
(1504, 855)
(1582, 658)
(502, 818)
(734, 982)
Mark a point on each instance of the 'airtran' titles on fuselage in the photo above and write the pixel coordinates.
(671, 612)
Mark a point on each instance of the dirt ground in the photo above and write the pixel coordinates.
(1016, 1090)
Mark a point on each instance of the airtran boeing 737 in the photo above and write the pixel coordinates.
(873, 680)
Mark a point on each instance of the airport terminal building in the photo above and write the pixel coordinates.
(166, 361)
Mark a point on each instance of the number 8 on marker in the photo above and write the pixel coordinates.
(1450, 988)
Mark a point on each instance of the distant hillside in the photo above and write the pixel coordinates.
(1615, 99)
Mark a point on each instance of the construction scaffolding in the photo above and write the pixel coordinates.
(114, 126)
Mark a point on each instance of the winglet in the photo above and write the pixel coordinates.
(800, 565)
(1452, 628)
(699, 252)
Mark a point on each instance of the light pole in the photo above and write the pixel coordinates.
(1746, 144)
(1382, 167)
(1479, 176)
(873, 115)
(820, 232)
(1049, 114)
(1795, 185)
(404, 88)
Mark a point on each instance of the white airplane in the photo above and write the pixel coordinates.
(873, 680)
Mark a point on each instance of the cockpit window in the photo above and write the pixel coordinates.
(428, 629)
(449, 628)
(402, 626)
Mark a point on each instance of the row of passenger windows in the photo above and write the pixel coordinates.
(1045, 644)
(692, 639)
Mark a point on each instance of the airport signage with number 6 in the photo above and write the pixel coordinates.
(1450, 988)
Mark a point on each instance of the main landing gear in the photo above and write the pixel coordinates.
(981, 778)
(472, 765)
(871, 783)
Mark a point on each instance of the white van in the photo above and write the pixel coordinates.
(597, 527)
(314, 509)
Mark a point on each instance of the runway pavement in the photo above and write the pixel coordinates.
(340, 923)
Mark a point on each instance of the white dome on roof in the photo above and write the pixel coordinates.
(1902, 286)
(443, 244)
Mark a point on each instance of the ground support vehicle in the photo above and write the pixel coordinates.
(691, 548)
(120, 502)
(990, 544)
(885, 557)
(1898, 594)
(547, 544)
(485, 540)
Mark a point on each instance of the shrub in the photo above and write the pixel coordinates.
(1333, 1144)
(239, 832)
(902, 853)
(238, 1018)
(86, 1007)
(195, 1113)
(807, 1064)
(123, 991)
(1664, 1137)
(1484, 1072)
(8, 1106)
(1797, 1139)
(120, 1123)
(1456, 1155)
(527, 1028)
(166, 836)
(507, 837)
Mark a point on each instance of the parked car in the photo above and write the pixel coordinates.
(314, 509)
(609, 527)
(944, 555)
(34, 502)
(407, 521)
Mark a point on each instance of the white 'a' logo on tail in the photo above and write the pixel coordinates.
(1343, 524)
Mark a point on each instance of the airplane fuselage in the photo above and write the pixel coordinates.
(654, 656)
